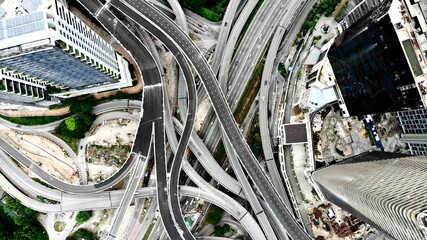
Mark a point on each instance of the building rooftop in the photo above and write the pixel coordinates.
(376, 63)
(32, 5)
(313, 56)
(423, 6)
(295, 133)
(22, 24)
(320, 95)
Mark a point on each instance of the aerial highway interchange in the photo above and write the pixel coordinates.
(272, 213)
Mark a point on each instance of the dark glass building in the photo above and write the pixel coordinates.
(386, 190)
(370, 66)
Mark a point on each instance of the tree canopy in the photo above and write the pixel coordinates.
(22, 225)
(209, 9)
(83, 216)
(81, 234)
(214, 215)
(220, 231)
(70, 123)
(75, 126)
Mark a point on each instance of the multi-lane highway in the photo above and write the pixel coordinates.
(153, 123)
(267, 198)
(226, 26)
(135, 178)
(173, 197)
(246, 56)
(249, 192)
(159, 25)
(263, 102)
(112, 199)
(227, 53)
(67, 187)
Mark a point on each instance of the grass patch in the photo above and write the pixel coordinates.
(250, 93)
(147, 234)
(57, 106)
(282, 70)
(296, 179)
(368, 134)
(220, 231)
(254, 137)
(412, 56)
(220, 153)
(82, 234)
(72, 142)
(209, 14)
(277, 161)
(212, 10)
(214, 215)
(59, 226)
(31, 121)
(42, 183)
(339, 10)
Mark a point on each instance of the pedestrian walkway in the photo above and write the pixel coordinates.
(325, 29)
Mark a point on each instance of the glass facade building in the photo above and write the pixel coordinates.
(414, 126)
(371, 67)
(386, 190)
(59, 50)
(57, 66)
(353, 13)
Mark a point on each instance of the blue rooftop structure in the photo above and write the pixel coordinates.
(56, 66)
(31, 5)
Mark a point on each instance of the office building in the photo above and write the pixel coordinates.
(386, 190)
(355, 10)
(58, 54)
(414, 126)
(378, 62)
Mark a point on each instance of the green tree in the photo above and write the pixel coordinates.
(214, 215)
(88, 119)
(40, 198)
(87, 106)
(81, 234)
(83, 123)
(7, 226)
(71, 123)
(219, 231)
(209, 9)
(83, 104)
(12, 204)
(25, 225)
(83, 216)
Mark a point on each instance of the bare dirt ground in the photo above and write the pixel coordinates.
(108, 148)
(34, 113)
(46, 153)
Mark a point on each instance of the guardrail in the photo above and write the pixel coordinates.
(280, 118)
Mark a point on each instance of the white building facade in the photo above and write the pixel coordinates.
(57, 50)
